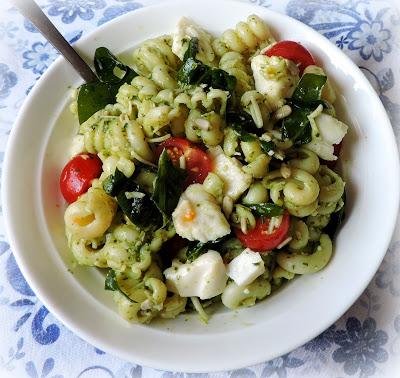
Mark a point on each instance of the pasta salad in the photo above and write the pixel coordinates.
(203, 171)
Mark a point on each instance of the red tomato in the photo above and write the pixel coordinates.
(293, 51)
(259, 240)
(198, 164)
(77, 175)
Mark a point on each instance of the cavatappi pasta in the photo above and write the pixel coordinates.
(216, 180)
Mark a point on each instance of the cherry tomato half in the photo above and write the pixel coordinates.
(259, 239)
(77, 175)
(293, 51)
(197, 162)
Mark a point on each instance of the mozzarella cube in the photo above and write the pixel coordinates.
(186, 30)
(246, 267)
(204, 278)
(330, 131)
(198, 216)
(274, 77)
(230, 171)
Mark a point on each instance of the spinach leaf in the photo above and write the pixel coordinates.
(242, 124)
(306, 97)
(107, 66)
(309, 89)
(168, 184)
(138, 206)
(296, 126)
(196, 248)
(194, 72)
(267, 210)
(336, 220)
(95, 95)
(113, 183)
(111, 284)
(267, 146)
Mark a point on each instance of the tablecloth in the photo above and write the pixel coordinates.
(364, 342)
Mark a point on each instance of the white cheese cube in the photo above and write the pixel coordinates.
(246, 267)
(274, 77)
(198, 216)
(230, 171)
(186, 30)
(204, 278)
(329, 131)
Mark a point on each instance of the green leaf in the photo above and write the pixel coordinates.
(296, 126)
(192, 50)
(113, 183)
(267, 210)
(138, 206)
(336, 220)
(94, 96)
(194, 72)
(168, 184)
(309, 89)
(107, 67)
(111, 284)
(195, 249)
(267, 146)
(242, 124)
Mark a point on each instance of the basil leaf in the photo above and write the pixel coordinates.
(168, 184)
(309, 89)
(94, 96)
(336, 220)
(194, 72)
(267, 210)
(296, 126)
(111, 284)
(267, 146)
(113, 183)
(138, 206)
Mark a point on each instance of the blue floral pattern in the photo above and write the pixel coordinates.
(360, 346)
(39, 57)
(364, 343)
(70, 9)
(8, 79)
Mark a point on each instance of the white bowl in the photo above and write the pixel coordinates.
(33, 209)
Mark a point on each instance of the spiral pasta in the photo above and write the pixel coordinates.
(247, 37)
(154, 59)
(233, 63)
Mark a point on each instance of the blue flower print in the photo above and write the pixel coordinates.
(243, 373)
(279, 365)
(118, 10)
(40, 57)
(48, 366)
(360, 347)
(341, 42)
(8, 79)
(70, 9)
(8, 29)
(371, 39)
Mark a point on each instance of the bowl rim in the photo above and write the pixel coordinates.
(12, 231)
